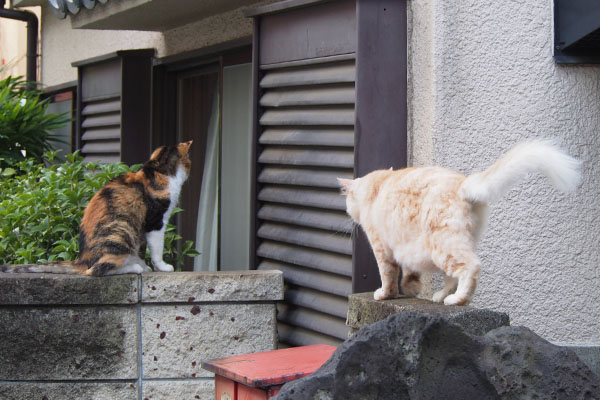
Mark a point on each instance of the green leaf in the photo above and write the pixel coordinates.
(41, 204)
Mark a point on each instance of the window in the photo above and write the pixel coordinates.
(62, 101)
(207, 98)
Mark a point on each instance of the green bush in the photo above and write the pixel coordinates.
(25, 126)
(41, 208)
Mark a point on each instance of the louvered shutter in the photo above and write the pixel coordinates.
(307, 141)
(101, 130)
(114, 107)
(331, 102)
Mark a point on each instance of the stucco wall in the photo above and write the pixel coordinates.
(481, 79)
(62, 45)
(13, 45)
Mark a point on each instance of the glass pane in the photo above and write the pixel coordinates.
(236, 166)
(64, 133)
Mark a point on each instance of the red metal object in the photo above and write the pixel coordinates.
(261, 375)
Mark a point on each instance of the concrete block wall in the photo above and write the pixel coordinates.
(129, 337)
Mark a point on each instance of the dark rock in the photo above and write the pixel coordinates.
(417, 356)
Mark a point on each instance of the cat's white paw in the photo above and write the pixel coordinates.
(136, 269)
(455, 300)
(381, 295)
(164, 267)
(439, 296)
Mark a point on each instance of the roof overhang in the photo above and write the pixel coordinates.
(27, 3)
(577, 31)
(145, 15)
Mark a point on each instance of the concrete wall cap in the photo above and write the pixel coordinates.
(197, 287)
(363, 310)
(54, 289)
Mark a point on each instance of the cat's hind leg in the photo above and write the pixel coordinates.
(460, 262)
(131, 265)
(449, 287)
(410, 283)
(108, 264)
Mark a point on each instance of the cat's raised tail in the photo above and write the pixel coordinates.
(61, 267)
(541, 156)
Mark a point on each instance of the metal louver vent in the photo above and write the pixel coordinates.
(101, 130)
(307, 141)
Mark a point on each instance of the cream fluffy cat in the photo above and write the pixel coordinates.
(430, 218)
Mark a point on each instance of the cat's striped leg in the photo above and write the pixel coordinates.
(389, 281)
(449, 287)
(457, 259)
(466, 268)
(388, 269)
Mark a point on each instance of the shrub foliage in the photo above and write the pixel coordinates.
(26, 129)
(41, 208)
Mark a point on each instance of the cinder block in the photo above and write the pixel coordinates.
(176, 338)
(196, 389)
(68, 391)
(364, 310)
(50, 289)
(68, 343)
(183, 287)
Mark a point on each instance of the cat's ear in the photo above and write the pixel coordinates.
(184, 148)
(346, 185)
(156, 152)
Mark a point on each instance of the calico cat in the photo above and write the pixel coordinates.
(430, 218)
(130, 210)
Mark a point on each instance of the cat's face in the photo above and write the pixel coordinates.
(351, 189)
(168, 159)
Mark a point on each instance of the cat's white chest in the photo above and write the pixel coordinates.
(175, 184)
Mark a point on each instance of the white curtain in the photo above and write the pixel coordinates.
(207, 230)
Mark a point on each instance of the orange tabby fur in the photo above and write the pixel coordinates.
(430, 219)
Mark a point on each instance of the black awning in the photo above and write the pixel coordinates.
(577, 31)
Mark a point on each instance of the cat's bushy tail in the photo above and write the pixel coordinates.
(542, 156)
(61, 267)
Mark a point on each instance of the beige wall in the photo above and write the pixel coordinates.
(62, 45)
(13, 45)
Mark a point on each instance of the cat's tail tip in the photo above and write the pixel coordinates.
(541, 155)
